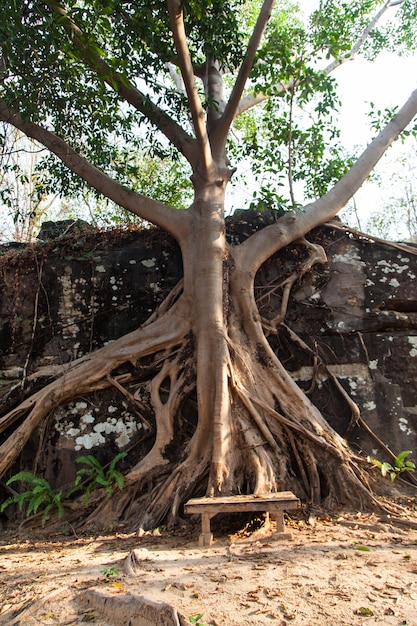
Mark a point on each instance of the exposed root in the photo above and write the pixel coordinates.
(89, 374)
(316, 255)
(256, 431)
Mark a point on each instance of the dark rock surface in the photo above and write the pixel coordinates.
(358, 315)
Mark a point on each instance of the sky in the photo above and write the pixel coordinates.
(387, 82)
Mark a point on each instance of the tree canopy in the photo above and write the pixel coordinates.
(105, 77)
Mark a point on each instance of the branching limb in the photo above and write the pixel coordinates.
(187, 72)
(250, 101)
(158, 213)
(232, 107)
(291, 226)
(124, 88)
(363, 37)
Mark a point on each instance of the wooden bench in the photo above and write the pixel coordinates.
(273, 503)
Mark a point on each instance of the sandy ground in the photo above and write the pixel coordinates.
(350, 570)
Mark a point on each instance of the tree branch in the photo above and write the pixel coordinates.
(159, 118)
(255, 250)
(160, 214)
(364, 36)
(250, 101)
(187, 72)
(244, 71)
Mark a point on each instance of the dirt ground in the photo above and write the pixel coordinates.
(348, 570)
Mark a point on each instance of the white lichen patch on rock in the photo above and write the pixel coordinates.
(394, 282)
(412, 340)
(403, 426)
(389, 268)
(66, 305)
(149, 262)
(88, 432)
(351, 257)
(356, 375)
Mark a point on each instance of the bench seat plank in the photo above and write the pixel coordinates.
(273, 503)
(234, 504)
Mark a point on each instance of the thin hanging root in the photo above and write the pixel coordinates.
(314, 478)
(317, 255)
(356, 418)
(299, 462)
(300, 430)
(260, 423)
(132, 400)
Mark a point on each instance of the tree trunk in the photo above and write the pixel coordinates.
(257, 431)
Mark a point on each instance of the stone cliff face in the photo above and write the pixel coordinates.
(353, 320)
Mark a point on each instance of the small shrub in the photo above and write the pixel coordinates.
(40, 494)
(400, 465)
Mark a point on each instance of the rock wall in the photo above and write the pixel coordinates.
(354, 318)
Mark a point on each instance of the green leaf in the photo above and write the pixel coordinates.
(119, 479)
(117, 458)
(26, 476)
(7, 503)
(399, 459)
(362, 548)
(90, 460)
(363, 610)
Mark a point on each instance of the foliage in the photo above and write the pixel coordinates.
(48, 77)
(41, 494)
(196, 619)
(110, 572)
(98, 476)
(400, 465)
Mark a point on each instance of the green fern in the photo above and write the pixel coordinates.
(98, 476)
(40, 494)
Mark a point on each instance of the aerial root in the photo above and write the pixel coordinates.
(356, 416)
(316, 255)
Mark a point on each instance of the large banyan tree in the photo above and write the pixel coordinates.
(209, 82)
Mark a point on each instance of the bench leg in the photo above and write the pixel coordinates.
(206, 537)
(280, 532)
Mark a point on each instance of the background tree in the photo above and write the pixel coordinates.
(396, 216)
(97, 82)
(21, 191)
